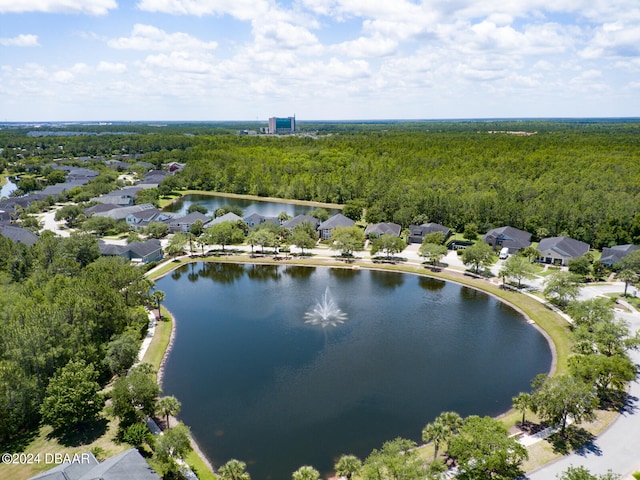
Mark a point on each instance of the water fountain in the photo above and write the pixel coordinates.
(325, 312)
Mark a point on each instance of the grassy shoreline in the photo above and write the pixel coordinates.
(550, 324)
(164, 202)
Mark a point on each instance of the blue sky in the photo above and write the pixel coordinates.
(82, 60)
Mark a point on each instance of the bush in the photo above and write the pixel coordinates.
(136, 434)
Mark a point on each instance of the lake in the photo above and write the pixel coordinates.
(261, 380)
(267, 209)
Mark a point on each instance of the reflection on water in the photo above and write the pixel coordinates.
(286, 393)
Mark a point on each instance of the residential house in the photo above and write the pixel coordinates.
(184, 224)
(256, 219)
(138, 220)
(18, 234)
(559, 250)
(378, 229)
(298, 219)
(118, 200)
(418, 232)
(139, 252)
(338, 220)
(128, 465)
(612, 255)
(507, 237)
(100, 207)
(227, 217)
(122, 212)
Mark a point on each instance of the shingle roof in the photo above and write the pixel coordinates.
(18, 234)
(191, 218)
(227, 217)
(612, 255)
(298, 219)
(563, 247)
(338, 220)
(507, 236)
(383, 229)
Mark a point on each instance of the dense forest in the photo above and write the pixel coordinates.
(60, 303)
(576, 178)
(582, 184)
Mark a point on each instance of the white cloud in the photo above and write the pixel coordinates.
(110, 67)
(614, 40)
(90, 7)
(179, 62)
(22, 40)
(148, 37)
(241, 9)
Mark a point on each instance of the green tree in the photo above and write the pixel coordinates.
(69, 213)
(483, 449)
(262, 237)
(304, 236)
(223, 234)
(167, 407)
(604, 372)
(234, 470)
(518, 268)
(134, 394)
(479, 254)
(136, 434)
(223, 210)
(522, 403)
(196, 207)
(396, 460)
(629, 277)
(436, 432)
(582, 473)
(561, 287)
(306, 472)
(353, 209)
(432, 252)
(158, 297)
(122, 351)
(177, 244)
(590, 312)
(157, 229)
(434, 237)
(562, 396)
(580, 266)
(72, 396)
(174, 444)
(347, 466)
(470, 231)
(347, 239)
(388, 244)
(631, 261)
(319, 213)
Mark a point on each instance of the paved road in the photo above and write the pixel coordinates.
(618, 448)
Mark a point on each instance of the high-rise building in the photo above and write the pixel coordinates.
(282, 125)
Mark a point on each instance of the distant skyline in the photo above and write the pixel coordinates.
(200, 60)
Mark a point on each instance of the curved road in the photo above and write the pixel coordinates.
(618, 447)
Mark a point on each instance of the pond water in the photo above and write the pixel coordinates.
(7, 188)
(262, 378)
(267, 209)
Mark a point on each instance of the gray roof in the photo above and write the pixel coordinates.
(298, 219)
(427, 228)
(128, 465)
(133, 250)
(562, 247)
(338, 220)
(613, 255)
(509, 237)
(58, 188)
(190, 219)
(227, 217)
(101, 207)
(114, 199)
(18, 234)
(383, 229)
(122, 212)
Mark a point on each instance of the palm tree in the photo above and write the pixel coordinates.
(628, 277)
(234, 470)
(306, 473)
(168, 406)
(522, 402)
(158, 298)
(347, 466)
(436, 432)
